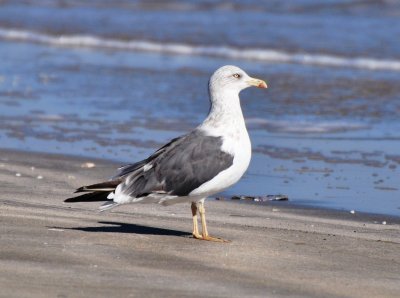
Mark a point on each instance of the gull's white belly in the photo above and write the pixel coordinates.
(241, 149)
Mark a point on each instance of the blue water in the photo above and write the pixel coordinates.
(115, 80)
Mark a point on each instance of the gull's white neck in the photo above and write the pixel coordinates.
(225, 116)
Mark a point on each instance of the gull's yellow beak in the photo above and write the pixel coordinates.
(257, 83)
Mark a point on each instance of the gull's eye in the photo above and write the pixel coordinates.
(237, 76)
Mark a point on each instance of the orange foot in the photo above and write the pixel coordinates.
(210, 238)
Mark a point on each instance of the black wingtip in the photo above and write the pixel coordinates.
(106, 186)
(88, 197)
(80, 189)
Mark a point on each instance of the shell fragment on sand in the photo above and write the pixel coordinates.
(88, 165)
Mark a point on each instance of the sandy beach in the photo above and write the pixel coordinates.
(53, 249)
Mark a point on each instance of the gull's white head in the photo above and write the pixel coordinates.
(233, 78)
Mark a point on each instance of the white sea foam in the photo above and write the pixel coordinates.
(186, 49)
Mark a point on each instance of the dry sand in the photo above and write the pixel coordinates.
(53, 249)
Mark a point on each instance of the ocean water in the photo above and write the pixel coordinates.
(117, 79)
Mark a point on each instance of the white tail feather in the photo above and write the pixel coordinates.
(107, 206)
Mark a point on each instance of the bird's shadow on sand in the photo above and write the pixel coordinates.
(120, 227)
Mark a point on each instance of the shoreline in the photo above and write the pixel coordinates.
(50, 248)
(287, 205)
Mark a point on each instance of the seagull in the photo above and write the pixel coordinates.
(192, 167)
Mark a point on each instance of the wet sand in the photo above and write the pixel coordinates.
(53, 249)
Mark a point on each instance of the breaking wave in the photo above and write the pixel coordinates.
(304, 126)
(266, 55)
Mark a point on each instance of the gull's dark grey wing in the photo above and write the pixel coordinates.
(125, 170)
(178, 168)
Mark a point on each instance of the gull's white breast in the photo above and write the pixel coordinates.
(239, 146)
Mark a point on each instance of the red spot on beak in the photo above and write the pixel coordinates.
(262, 85)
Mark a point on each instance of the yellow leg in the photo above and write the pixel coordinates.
(195, 233)
(205, 235)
